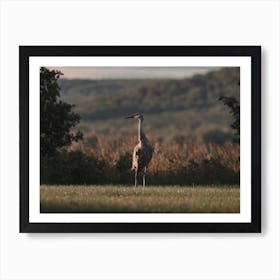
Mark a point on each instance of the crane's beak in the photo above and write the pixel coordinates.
(130, 117)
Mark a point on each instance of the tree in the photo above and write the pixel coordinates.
(56, 117)
(234, 109)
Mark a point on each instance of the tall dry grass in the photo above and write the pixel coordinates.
(168, 154)
(176, 161)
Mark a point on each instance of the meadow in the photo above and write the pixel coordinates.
(151, 199)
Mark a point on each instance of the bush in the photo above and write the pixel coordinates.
(123, 169)
(72, 168)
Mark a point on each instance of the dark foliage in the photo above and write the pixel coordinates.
(73, 168)
(234, 109)
(123, 168)
(56, 116)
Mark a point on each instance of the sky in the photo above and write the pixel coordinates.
(97, 73)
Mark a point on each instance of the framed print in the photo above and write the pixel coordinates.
(140, 138)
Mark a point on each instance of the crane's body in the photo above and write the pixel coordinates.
(142, 153)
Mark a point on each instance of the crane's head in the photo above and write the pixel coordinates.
(136, 116)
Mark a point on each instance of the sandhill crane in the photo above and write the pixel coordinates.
(143, 151)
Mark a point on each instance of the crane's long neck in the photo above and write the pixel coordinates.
(140, 131)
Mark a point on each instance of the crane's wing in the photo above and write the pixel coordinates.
(142, 156)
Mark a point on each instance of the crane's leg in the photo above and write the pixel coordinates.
(144, 176)
(135, 179)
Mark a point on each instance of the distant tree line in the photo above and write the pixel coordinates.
(106, 99)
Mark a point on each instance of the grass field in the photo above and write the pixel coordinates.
(109, 199)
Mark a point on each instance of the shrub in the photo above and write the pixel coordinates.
(72, 168)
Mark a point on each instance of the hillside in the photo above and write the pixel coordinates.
(170, 107)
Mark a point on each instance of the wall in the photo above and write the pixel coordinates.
(139, 256)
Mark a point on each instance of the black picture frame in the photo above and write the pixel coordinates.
(254, 52)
